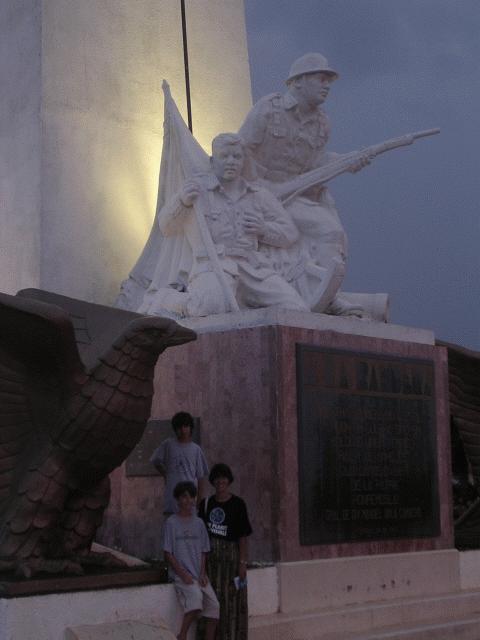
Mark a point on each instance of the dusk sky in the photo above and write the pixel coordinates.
(412, 217)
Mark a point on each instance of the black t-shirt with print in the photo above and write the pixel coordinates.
(227, 520)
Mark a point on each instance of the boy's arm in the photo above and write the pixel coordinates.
(243, 559)
(201, 473)
(160, 467)
(203, 579)
(158, 459)
(182, 573)
(202, 489)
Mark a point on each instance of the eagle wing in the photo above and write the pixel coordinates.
(39, 364)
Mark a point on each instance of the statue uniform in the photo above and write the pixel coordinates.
(254, 282)
(284, 144)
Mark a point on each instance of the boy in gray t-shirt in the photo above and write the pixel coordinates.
(185, 546)
(179, 459)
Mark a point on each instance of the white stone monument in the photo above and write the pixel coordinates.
(81, 113)
(254, 226)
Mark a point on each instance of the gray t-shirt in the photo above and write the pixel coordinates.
(186, 539)
(181, 461)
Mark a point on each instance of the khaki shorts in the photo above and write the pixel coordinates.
(194, 597)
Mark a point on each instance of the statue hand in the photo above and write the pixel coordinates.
(360, 164)
(189, 192)
(254, 223)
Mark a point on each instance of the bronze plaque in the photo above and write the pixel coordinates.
(138, 462)
(366, 447)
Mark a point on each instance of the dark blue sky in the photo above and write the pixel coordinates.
(412, 217)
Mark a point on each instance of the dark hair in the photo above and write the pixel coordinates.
(220, 470)
(231, 139)
(185, 487)
(181, 418)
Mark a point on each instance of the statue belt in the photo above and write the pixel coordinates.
(233, 252)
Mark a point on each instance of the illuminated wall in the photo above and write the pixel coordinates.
(99, 127)
(20, 144)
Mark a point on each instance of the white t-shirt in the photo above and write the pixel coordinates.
(186, 539)
(182, 461)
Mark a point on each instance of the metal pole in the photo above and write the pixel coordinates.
(185, 62)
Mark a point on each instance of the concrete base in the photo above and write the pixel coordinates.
(46, 617)
(463, 629)
(439, 618)
(414, 596)
(397, 596)
(125, 630)
(109, 613)
(343, 581)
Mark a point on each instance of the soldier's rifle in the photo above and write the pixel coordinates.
(288, 190)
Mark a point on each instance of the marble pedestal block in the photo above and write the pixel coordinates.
(242, 384)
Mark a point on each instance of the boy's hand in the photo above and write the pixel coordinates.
(186, 578)
(203, 580)
(242, 571)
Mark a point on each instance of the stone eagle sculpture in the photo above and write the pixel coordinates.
(76, 386)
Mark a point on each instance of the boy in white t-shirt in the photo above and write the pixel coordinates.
(186, 545)
(179, 459)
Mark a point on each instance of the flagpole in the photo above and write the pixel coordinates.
(185, 64)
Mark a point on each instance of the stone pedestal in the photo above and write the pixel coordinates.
(46, 617)
(101, 612)
(242, 384)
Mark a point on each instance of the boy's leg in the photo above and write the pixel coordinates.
(191, 600)
(188, 618)
(211, 611)
(210, 628)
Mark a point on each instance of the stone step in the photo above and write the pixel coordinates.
(463, 629)
(397, 616)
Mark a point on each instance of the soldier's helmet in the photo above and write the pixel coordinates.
(310, 63)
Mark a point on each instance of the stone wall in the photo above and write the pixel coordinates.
(20, 146)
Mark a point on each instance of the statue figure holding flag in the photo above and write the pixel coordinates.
(224, 219)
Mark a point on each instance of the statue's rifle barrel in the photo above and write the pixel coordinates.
(324, 174)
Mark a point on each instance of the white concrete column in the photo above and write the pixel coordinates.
(20, 143)
(81, 170)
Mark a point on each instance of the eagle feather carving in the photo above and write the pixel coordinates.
(67, 421)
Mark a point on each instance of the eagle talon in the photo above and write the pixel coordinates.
(29, 568)
(100, 559)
